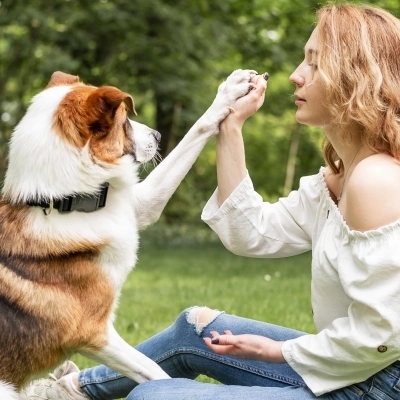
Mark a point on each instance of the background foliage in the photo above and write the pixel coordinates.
(171, 55)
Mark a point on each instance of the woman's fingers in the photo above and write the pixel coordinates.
(226, 339)
(261, 85)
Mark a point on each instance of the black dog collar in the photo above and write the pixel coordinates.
(79, 202)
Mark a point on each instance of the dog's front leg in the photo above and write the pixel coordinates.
(122, 357)
(153, 193)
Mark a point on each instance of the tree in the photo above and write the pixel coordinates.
(171, 55)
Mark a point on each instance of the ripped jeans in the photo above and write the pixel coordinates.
(180, 350)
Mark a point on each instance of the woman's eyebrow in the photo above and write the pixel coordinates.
(310, 51)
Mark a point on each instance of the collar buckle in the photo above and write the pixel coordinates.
(83, 203)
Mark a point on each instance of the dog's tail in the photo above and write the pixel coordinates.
(7, 392)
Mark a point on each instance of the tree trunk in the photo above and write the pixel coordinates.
(164, 121)
(291, 163)
(168, 123)
(174, 131)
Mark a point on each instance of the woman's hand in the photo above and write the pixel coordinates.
(253, 347)
(247, 105)
(231, 165)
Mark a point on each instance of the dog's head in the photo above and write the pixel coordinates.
(73, 138)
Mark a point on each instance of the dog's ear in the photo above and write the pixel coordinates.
(130, 104)
(101, 106)
(61, 78)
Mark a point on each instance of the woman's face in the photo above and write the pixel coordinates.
(310, 91)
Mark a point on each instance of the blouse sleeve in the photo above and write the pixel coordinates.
(249, 227)
(353, 348)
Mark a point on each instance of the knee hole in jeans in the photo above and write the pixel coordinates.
(200, 317)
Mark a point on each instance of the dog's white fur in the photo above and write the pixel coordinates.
(131, 205)
(7, 392)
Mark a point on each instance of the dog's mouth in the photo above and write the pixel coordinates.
(148, 150)
(152, 156)
(145, 143)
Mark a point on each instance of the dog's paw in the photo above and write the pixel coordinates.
(237, 84)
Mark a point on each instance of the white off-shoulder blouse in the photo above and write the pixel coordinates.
(355, 277)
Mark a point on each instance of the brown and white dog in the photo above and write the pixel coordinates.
(70, 213)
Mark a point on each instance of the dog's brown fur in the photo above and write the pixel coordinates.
(46, 309)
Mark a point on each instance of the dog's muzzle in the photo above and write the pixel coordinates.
(156, 135)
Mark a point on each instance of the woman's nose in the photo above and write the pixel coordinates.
(297, 78)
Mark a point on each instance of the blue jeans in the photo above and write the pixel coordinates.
(182, 353)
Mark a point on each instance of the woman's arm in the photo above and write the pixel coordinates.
(231, 164)
(246, 224)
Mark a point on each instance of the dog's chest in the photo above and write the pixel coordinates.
(109, 235)
(118, 257)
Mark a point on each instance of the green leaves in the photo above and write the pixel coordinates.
(171, 55)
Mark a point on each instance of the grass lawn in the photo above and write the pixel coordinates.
(170, 278)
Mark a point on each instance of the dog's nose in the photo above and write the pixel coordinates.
(157, 136)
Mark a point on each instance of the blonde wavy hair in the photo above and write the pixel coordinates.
(360, 64)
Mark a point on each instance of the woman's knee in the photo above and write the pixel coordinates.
(198, 317)
(147, 390)
(201, 317)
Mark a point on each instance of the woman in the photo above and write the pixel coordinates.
(348, 214)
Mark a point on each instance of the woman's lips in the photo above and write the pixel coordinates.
(299, 100)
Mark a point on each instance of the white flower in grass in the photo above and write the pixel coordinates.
(267, 277)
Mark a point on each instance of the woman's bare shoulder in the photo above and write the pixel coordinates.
(373, 193)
